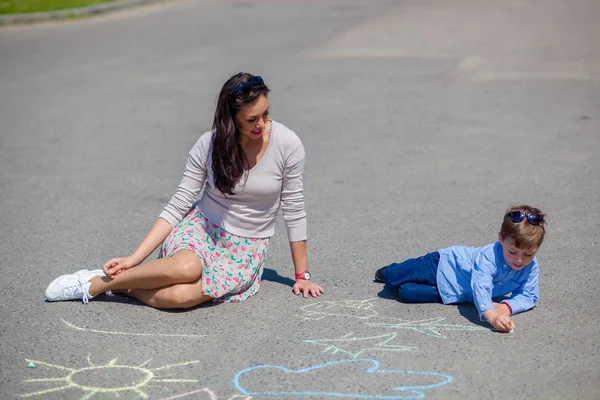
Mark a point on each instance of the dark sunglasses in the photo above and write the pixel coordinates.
(519, 216)
(244, 88)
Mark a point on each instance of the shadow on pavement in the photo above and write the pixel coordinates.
(272, 276)
(469, 311)
(123, 299)
(388, 292)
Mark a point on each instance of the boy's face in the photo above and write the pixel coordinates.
(516, 258)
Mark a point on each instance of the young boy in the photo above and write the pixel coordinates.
(477, 274)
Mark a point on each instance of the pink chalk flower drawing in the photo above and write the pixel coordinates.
(205, 394)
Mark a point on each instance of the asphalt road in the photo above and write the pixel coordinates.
(422, 121)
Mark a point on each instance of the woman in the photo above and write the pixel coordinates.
(215, 249)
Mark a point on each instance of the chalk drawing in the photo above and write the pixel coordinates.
(324, 381)
(127, 333)
(83, 378)
(429, 327)
(361, 309)
(355, 346)
(210, 393)
(365, 310)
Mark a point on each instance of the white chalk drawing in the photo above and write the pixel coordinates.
(86, 379)
(70, 325)
(429, 327)
(211, 395)
(365, 310)
(355, 346)
(361, 309)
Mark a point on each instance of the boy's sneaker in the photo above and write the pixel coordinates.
(379, 275)
(72, 286)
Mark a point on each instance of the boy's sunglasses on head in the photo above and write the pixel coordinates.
(519, 216)
(245, 87)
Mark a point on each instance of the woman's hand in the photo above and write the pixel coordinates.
(119, 264)
(305, 287)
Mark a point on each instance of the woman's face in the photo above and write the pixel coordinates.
(250, 121)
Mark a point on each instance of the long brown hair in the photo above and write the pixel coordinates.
(228, 157)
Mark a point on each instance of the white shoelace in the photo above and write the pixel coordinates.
(85, 298)
(78, 288)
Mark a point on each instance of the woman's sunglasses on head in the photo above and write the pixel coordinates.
(244, 88)
(519, 216)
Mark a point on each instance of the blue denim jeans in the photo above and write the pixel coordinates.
(415, 279)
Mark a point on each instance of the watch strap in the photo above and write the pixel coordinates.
(302, 275)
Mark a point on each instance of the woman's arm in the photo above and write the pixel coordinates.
(294, 215)
(300, 258)
(191, 184)
(188, 191)
(157, 234)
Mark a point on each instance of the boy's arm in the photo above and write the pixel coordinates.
(503, 309)
(482, 284)
(482, 278)
(525, 297)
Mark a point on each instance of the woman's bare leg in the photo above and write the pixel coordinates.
(182, 295)
(183, 267)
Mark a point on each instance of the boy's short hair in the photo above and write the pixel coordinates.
(525, 234)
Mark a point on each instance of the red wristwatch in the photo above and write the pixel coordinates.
(304, 275)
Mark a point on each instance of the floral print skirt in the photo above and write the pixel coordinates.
(232, 265)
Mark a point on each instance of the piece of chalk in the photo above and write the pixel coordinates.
(511, 330)
(31, 365)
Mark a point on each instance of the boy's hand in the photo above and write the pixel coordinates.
(501, 323)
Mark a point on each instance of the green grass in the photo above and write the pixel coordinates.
(29, 6)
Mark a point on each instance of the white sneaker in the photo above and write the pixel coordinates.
(72, 286)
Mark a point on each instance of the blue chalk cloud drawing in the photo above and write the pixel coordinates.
(342, 378)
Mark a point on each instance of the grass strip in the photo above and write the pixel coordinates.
(31, 6)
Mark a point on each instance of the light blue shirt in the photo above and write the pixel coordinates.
(477, 274)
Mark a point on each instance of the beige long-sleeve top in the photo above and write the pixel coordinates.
(276, 181)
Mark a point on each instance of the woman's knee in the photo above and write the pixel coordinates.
(177, 296)
(188, 267)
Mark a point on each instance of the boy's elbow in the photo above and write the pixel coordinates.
(534, 298)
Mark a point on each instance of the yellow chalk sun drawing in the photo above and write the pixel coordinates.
(95, 379)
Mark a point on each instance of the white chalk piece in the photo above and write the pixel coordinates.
(511, 330)
(31, 365)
